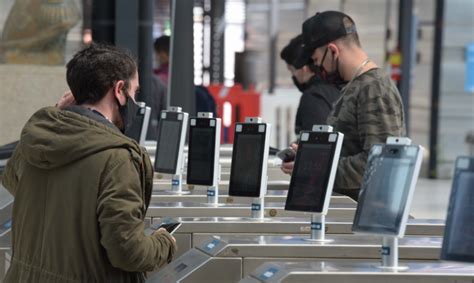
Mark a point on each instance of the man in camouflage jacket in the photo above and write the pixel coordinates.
(370, 107)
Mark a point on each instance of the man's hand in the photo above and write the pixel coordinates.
(161, 230)
(66, 100)
(287, 167)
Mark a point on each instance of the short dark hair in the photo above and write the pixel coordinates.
(162, 44)
(95, 69)
(351, 38)
(291, 51)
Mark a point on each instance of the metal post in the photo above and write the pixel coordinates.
(145, 46)
(405, 35)
(389, 253)
(258, 205)
(318, 228)
(213, 191)
(181, 81)
(177, 183)
(126, 23)
(103, 21)
(435, 88)
(274, 15)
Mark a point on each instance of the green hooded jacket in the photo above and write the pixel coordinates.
(81, 192)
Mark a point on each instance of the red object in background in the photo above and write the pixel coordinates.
(395, 61)
(233, 105)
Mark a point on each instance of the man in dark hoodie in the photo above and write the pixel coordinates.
(81, 187)
(317, 95)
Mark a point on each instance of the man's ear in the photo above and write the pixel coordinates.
(334, 50)
(306, 69)
(118, 91)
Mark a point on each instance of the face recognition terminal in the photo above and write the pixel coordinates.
(169, 149)
(386, 193)
(314, 174)
(139, 124)
(203, 154)
(248, 174)
(458, 242)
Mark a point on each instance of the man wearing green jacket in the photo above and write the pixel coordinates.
(81, 187)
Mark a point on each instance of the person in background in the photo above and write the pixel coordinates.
(81, 187)
(162, 55)
(317, 95)
(370, 108)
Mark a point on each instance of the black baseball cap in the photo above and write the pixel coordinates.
(292, 50)
(321, 29)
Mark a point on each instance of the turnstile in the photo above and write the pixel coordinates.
(229, 258)
(190, 209)
(193, 230)
(199, 194)
(165, 185)
(360, 272)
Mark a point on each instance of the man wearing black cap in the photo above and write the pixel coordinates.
(318, 96)
(370, 108)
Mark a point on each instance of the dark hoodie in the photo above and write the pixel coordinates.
(315, 104)
(81, 192)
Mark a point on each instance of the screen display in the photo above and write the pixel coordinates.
(168, 145)
(459, 235)
(310, 177)
(384, 192)
(247, 159)
(201, 156)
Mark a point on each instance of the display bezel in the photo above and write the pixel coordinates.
(464, 165)
(397, 152)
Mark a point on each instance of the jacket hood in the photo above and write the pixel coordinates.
(54, 137)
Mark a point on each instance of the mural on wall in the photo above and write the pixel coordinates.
(35, 31)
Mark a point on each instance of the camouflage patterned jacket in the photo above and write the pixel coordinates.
(369, 111)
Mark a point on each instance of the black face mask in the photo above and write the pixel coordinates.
(333, 77)
(300, 86)
(128, 112)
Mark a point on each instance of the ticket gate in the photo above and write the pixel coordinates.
(191, 209)
(230, 258)
(193, 230)
(199, 194)
(165, 185)
(360, 272)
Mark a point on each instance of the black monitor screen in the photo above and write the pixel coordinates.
(246, 168)
(385, 190)
(458, 244)
(201, 155)
(310, 177)
(168, 145)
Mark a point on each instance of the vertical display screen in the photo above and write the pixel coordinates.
(168, 145)
(247, 159)
(458, 241)
(201, 155)
(384, 192)
(310, 177)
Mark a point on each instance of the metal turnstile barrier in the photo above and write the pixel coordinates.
(189, 209)
(194, 230)
(360, 272)
(229, 258)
